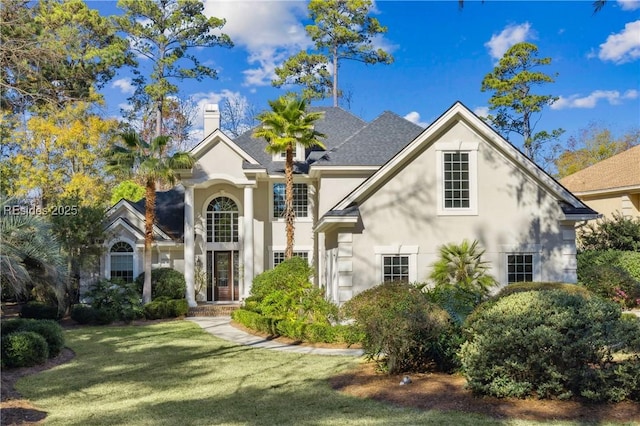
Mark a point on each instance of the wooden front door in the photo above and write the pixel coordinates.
(225, 276)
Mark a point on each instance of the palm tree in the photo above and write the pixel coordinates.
(29, 252)
(462, 266)
(149, 162)
(287, 125)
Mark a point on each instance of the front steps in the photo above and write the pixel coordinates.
(213, 310)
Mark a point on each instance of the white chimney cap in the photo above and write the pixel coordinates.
(211, 107)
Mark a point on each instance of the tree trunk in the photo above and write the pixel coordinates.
(149, 219)
(289, 212)
(335, 76)
(528, 148)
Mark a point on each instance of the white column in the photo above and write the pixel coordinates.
(189, 246)
(248, 241)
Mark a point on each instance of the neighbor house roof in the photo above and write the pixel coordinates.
(620, 171)
(169, 211)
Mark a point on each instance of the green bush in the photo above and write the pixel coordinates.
(120, 299)
(83, 314)
(618, 233)
(548, 344)
(163, 307)
(286, 295)
(24, 349)
(50, 330)
(539, 286)
(165, 282)
(403, 330)
(611, 274)
(252, 320)
(39, 310)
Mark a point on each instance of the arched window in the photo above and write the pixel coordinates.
(222, 221)
(121, 254)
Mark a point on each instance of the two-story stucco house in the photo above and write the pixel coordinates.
(374, 206)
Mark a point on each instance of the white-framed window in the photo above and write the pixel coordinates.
(298, 154)
(278, 256)
(300, 200)
(222, 221)
(121, 262)
(397, 263)
(457, 178)
(520, 267)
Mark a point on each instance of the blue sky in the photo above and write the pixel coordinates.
(441, 56)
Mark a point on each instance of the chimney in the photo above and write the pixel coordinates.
(211, 119)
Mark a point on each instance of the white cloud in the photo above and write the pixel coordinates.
(512, 34)
(614, 97)
(629, 4)
(414, 117)
(482, 111)
(623, 46)
(271, 31)
(125, 86)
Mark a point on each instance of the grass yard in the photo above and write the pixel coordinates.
(174, 373)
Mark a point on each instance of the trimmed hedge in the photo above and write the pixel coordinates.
(540, 286)
(24, 349)
(164, 307)
(550, 344)
(50, 330)
(83, 314)
(39, 310)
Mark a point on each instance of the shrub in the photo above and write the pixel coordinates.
(522, 287)
(39, 310)
(50, 331)
(611, 274)
(24, 349)
(461, 279)
(252, 320)
(163, 307)
(286, 295)
(120, 299)
(165, 282)
(618, 233)
(549, 344)
(12, 325)
(83, 314)
(403, 330)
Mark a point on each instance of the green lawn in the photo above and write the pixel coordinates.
(174, 373)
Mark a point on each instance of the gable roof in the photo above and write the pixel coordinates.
(620, 171)
(570, 204)
(374, 144)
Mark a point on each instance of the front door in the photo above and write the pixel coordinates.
(224, 283)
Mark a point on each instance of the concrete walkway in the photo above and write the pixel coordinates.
(221, 327)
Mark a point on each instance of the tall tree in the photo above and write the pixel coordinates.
(149, 162)
(342, 30)
(163, 32)
(591, 145)
(515, 104)
(55, 51)
(63, 154)
(286, 125)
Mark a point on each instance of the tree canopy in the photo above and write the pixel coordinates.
(342, 30)
(514, 102)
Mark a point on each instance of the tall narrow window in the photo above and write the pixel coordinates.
(395, 268)
(519, 268)
(300, 200)
(121, 259)
(222, 221)
(456, 180)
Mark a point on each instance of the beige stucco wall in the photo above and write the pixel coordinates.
(625, 203)
(335, 186)
(513, 213)
(219, 160)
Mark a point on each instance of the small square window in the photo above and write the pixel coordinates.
(395, 268)
(519, 268)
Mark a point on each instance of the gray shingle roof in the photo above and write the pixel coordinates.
(169, 211)
(374, 144)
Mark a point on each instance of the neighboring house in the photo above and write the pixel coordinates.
(374, 206)
(611, 185)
